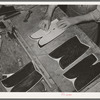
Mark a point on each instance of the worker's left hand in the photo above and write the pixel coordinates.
(66, 22)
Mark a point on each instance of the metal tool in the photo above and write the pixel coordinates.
(27, 16)
(11, 15)
(12, 33)
(0, 41)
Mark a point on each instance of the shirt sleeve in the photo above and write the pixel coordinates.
(98, 7)
(96, 14)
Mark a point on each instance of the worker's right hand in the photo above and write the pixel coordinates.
(45, 24)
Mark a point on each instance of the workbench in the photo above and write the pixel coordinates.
(53, 78)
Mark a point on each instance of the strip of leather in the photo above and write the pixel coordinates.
(81, 67)
(19, 75)
(70, 56)
(69, 49)
(86, 77)
(27, 83)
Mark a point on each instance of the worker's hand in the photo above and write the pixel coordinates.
(66, 22)
(45, 23)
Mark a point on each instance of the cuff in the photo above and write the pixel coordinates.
(95, 15)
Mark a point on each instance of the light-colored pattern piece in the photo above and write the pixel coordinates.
(41, 33)
(52, 34)
(47, 36)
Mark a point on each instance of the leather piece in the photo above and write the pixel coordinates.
(81, 67)
(27, 83)
(39, 87)
(65, 47)
(68, 47)
(19, 75)
(76, 51)
(87, 76)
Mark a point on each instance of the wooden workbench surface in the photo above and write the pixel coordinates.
(40, 55)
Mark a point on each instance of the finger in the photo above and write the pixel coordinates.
(47, 26)
(60, 22)
(40, 24)
(62, 26)
(43, 26)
